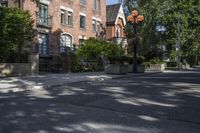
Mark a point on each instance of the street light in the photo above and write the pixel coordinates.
(135, 19)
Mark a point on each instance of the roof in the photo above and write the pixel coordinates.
(112, 13)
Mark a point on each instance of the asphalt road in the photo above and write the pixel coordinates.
(159, 103)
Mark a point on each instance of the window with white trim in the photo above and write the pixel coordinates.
(118, 31)
(82, 2)
(82, 22)
(98, 26)
(43, 13)
(94, 25)
(63, 17)
(43, 44)
(66, 41)
(98, 6)
(94, 4)
(4, 4)
(69, 18)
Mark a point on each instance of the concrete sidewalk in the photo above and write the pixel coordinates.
(17, 84)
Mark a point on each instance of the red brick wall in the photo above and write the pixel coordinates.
(56, 29)
(110, 30)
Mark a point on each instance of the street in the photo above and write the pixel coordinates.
(166, 102)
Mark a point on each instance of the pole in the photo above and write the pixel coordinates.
(178, 43)
(162, 45)
(135, 48)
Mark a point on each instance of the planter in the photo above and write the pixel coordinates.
(140, 68)
(19, 69)
(157, 67)
(116, 69)
(14, 69)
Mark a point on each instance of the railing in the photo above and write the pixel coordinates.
(44, 21)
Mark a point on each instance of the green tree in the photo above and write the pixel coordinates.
(162, 12)
(188, 11)
(147, 30)
(16, 27)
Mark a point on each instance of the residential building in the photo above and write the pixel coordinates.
(115, 23)
(63, 23)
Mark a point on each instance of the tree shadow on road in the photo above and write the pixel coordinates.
(136, 104)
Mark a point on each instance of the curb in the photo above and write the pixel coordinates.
(98, 79)
(103, 79)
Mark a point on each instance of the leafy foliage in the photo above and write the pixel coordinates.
(16, 27)
(92, 55)
(94, 49)
(162, 12)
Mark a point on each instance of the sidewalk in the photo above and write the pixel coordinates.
(17, 84)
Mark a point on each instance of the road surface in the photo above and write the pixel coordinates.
(160, 103)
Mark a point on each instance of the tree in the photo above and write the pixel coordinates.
(188, 11)
(151, 14)
(162, 12)
(16, 27)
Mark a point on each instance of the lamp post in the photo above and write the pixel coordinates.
(135, 19)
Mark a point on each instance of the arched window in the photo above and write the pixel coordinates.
(118, 31)
(66, 41)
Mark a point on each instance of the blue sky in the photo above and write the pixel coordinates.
(108, 2)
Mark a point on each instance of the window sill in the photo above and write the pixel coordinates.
(83, 6)
(83, 29)
(70, 1)
(70, 26)
(64, 25)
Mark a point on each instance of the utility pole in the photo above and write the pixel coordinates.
(178, 43)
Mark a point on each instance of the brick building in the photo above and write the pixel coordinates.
(115, 21)
(63, 23)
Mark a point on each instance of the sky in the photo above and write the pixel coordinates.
(108, 2)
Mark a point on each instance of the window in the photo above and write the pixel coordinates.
(94, 4)
(4, 4)
(66, 41)
(83, 2)
(118, 31)
(69, 18)
(82, 22)
(94, 25)
(98, 26)
(98, 6)
(63, 17)
(43, 14)
(43, 44)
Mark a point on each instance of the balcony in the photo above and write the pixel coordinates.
(44, 21)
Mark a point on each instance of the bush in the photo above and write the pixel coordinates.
(14, 57)
(75, 66)
(156, 61)
(171, 64)
(140, 59)
(94, 49)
